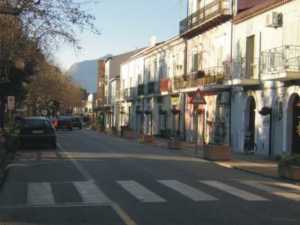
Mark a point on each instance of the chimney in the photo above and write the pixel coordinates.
(152, 41)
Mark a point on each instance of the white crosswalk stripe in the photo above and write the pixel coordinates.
(40, 194)
(188, 191)
(140, 192)
(90, 193)
(234, 191)
(273, 190)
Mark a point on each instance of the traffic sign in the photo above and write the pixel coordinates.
(198, 98)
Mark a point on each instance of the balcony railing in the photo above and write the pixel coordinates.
(241, 69)
(281, 60)
(208, 76)
(209, 15)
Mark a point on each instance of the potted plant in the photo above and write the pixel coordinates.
(128, 133)
(289, 167)
(217, 152)
(174, 143)
(145, 138)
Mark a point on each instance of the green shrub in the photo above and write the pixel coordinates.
(293, 160)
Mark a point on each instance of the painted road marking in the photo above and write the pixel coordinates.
(273, 190)
(120, 212)
(140, 192)
(189, 192)
(287, 185)
(40, 194)
(234, 191)
(90, 193)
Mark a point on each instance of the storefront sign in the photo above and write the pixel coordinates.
(175, 100)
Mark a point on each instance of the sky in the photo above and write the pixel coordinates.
(124, 26)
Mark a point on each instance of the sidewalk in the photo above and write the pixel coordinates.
(253, 164)
(5, 157)
(250, 163)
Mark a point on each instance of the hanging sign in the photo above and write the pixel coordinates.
(175, 100)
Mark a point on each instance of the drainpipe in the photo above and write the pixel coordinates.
(231, 60)
(184, 107)
(259, 57)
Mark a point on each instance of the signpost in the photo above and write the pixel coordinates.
(198, 99)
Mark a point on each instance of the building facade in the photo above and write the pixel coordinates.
(207, 31)
(241, 58)
(266, 42)
(108, 90)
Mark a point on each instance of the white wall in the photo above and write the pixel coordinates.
(214, 47)
(270, 93)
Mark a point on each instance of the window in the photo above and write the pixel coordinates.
(195, 61)
(250, 56)
(154, 71)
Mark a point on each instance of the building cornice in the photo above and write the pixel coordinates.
(259, 9)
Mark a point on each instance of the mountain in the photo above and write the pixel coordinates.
(85, 73)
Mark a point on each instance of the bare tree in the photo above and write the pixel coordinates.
(51, 85)
(50, 22)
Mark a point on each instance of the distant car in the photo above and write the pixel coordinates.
(54, 122)
(76, 122)
(36, 130)
(64, 123)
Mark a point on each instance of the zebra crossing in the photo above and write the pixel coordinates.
(43, 195)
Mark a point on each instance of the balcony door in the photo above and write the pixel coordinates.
(250, 44)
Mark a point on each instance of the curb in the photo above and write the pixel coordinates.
(255, 173)
(221, 164)
(5, 169)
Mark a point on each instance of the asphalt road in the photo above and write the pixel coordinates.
(103, 180)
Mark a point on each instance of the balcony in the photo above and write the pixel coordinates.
(141, 90)
(212, 76)
(212, 14)
(281, 63)
(241, 72)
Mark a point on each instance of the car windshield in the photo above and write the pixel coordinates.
(34, 123)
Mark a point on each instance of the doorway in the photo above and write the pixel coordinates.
(249, 143)
(296, 125)
(200, 121)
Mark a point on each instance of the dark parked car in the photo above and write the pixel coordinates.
(76, 122)
(64, 123)
(35, 130)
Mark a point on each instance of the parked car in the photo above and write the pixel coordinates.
(76, 122)
(64, 123)
(35, 131)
